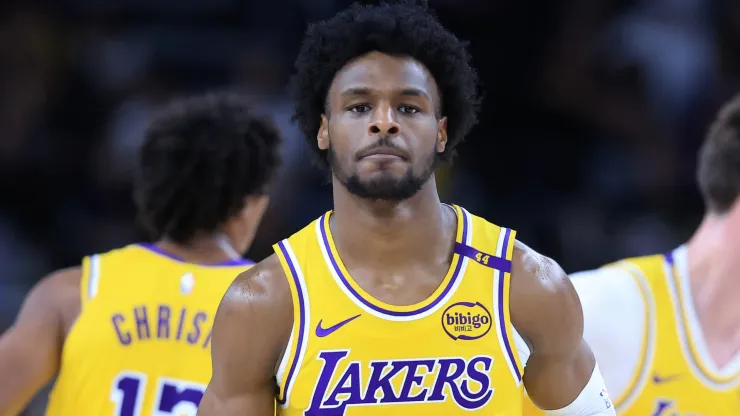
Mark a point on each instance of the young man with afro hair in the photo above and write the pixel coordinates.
(129, 330)
(394, 303)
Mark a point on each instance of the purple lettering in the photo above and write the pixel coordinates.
(466, 382)
(123, 337)
(414, 379)
(198, 319)
(180, 323)
(470, 400)
(163, 326)
(381, 383)
(445, 377)
(207, 342)
(350, 383)
(178, 397)
(661, 407)
(331, 360)
(142, 323)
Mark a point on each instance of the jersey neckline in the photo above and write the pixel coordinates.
(227, 263)
(690, 331)
(385, 310)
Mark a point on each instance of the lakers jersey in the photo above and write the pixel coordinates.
(674, 377)
(350, 354)
(141, 344)
(673, 374)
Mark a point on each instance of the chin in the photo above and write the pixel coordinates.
(385, 187)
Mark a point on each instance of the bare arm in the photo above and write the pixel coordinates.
(250, 331)
(547, 313)
(30, 350)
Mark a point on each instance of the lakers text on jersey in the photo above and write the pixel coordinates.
(351, 354)
(141, 344)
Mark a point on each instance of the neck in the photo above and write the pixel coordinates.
(199, 250)
(392, 232)
(712, 264)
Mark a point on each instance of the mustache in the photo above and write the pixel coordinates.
(384, 142)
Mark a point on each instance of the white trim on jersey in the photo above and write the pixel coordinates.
(93, 281)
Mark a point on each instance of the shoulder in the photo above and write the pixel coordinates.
(264, 284)
(259, 299)
(55, 298)
(251, 329)
(537, 274)
(59, 287)
(544, 304)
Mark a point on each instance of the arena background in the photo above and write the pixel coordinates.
(594, 111)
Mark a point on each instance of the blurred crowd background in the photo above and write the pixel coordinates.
(594, 111)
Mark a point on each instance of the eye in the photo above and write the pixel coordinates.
(407, 109)
(360, 108)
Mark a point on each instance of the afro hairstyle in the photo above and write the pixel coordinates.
(201, 157)
(400, 28)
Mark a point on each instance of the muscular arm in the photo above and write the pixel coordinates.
(30, 350)
(546, 311)
(250, 331)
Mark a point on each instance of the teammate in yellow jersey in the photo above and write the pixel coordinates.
(128, 333)
(666, 328)
(394, 303)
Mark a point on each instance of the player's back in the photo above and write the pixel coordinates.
(640, 321)
(141, 343)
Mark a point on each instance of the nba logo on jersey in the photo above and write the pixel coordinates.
(466, 321)
(187, 282)
(605, 395)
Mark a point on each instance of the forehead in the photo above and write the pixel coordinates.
(382, 72)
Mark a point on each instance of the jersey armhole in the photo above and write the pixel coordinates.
(90, 279)
(296, 347)
(513, 339)
(641, 371)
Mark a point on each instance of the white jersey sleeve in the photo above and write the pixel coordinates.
(614, 323)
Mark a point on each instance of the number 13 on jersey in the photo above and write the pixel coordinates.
(173, 397)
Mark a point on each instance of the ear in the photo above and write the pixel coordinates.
(441, 135)
(322, 138)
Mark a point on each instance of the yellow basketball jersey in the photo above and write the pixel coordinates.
(141, 344)
(350, 354)
(670, 379)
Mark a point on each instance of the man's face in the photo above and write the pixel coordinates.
(383, 132)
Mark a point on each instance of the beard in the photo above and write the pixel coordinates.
(385, 187)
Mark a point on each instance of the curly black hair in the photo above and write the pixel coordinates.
(718, 172)
(401, 28)
(201, 157)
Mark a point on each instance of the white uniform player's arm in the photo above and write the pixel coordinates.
(614, 324)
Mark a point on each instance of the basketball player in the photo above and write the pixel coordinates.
(129, 331)
(666, 328)
(394, 303)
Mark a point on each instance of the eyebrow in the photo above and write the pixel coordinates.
(413, 92)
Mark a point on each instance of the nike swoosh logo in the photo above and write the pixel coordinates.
(660, 380)
(322, 332)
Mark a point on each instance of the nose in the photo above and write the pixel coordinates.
(384, 124)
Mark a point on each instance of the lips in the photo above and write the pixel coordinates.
(384, 152)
